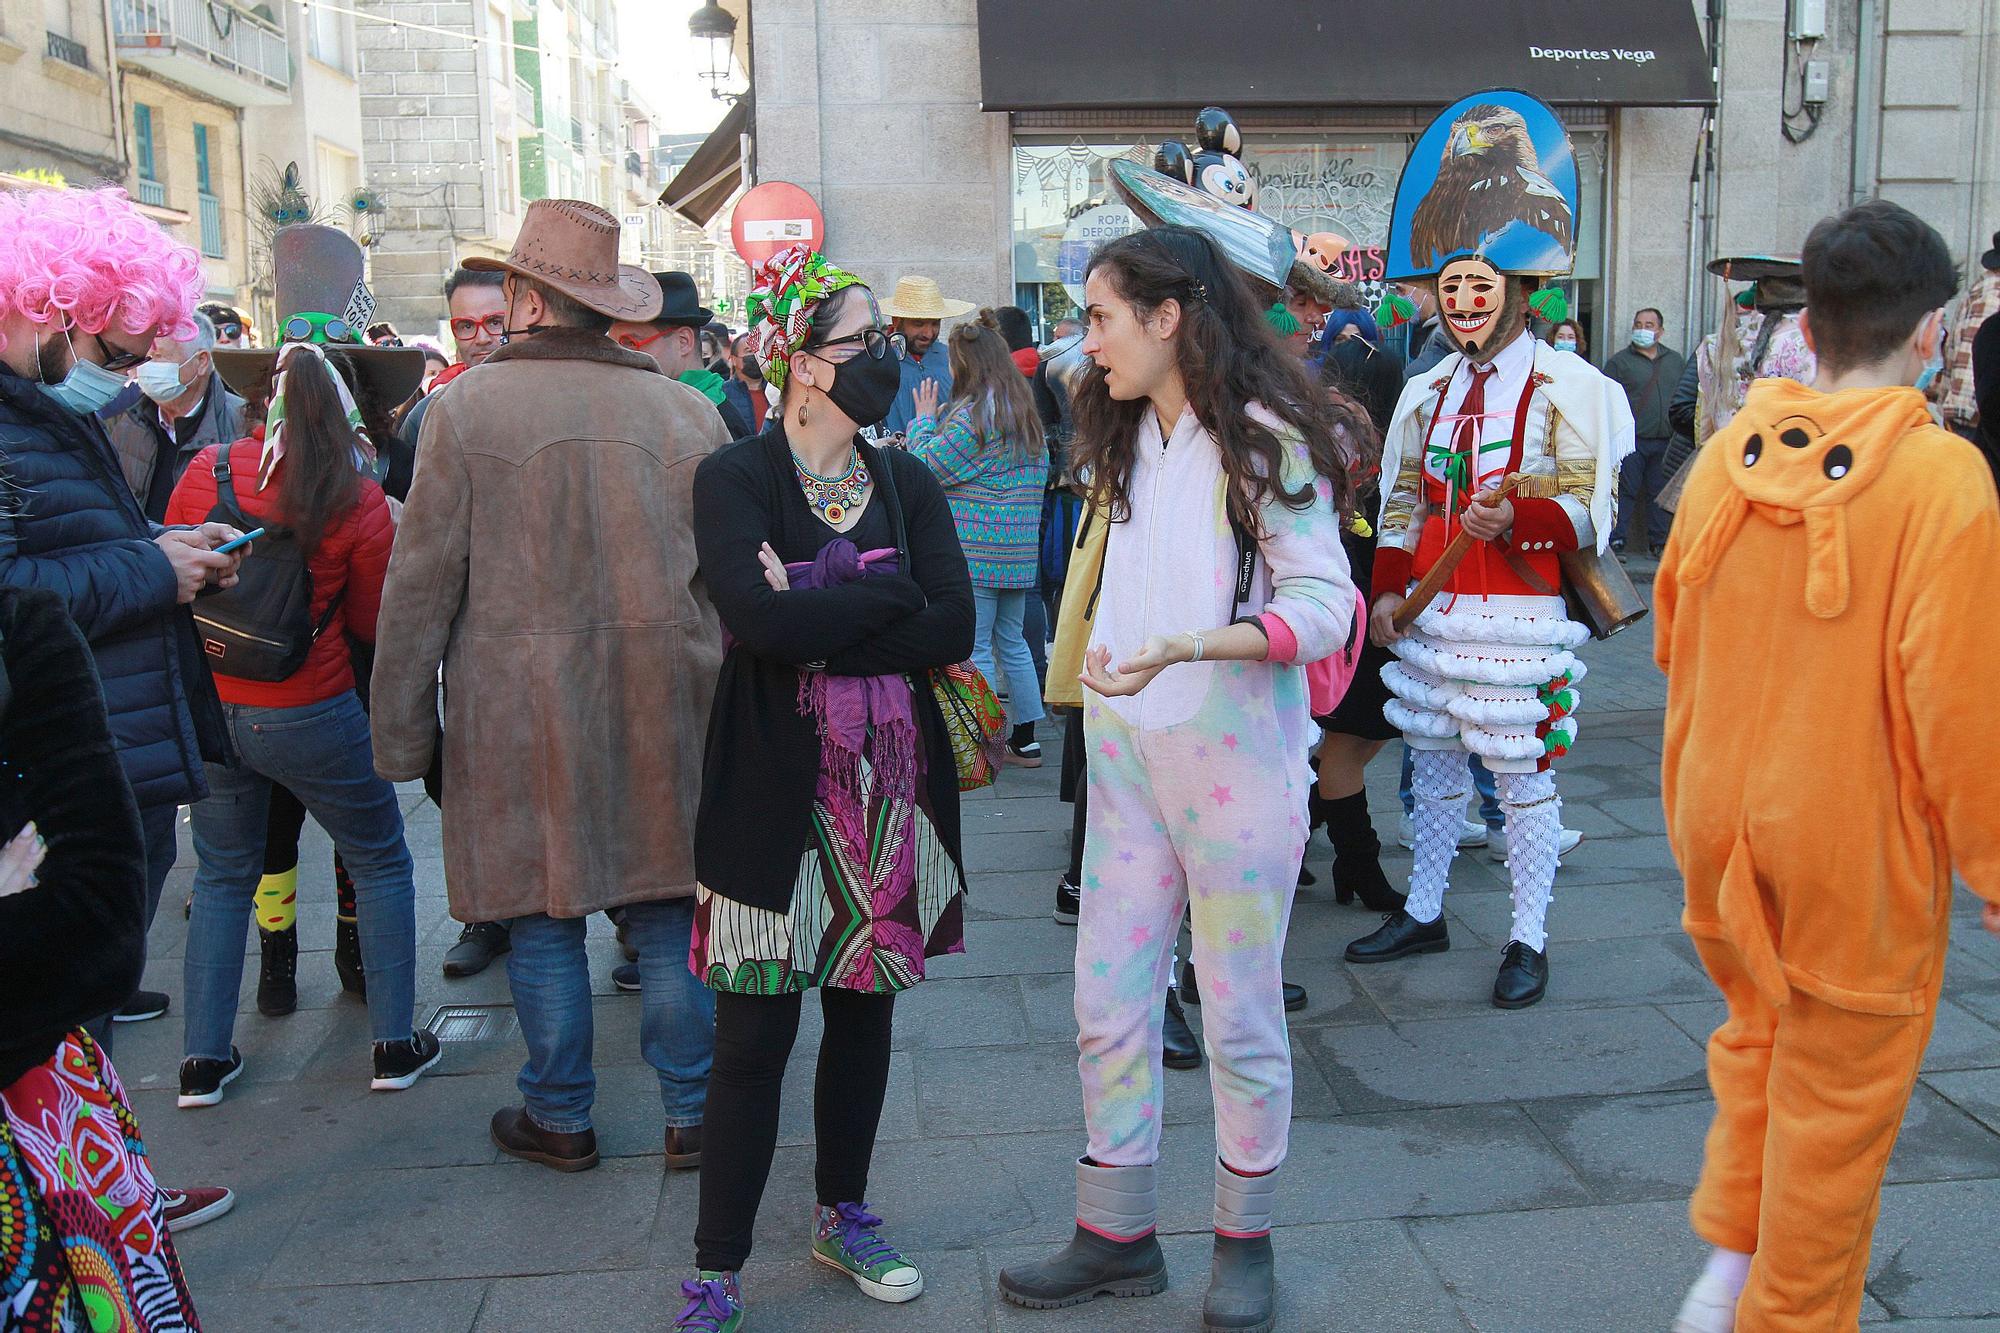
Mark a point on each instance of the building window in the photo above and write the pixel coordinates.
(339, 177)
(151, 190)
(211, 206)
(330, 37)
(506, 179)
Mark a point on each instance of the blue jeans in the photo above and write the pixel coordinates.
(550, 977)
(1035, 629)
(996, 631)
(322, 753)
(1482, 778)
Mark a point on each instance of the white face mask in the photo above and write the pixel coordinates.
(1644, 338)
(160, 381)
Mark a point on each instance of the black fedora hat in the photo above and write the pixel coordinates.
(1991, 259)
(680, 301)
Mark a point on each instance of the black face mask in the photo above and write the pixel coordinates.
(864, 389)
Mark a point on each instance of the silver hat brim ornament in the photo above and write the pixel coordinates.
(1260, 247)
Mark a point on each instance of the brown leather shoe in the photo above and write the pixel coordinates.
(683, 1148)
(518, 1136)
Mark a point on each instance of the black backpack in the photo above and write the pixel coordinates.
(261, 629)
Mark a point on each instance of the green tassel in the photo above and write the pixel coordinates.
(1281, 319)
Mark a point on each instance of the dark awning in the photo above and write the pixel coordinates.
(1046, 54)
(712, 174)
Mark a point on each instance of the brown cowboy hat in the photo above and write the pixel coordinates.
(572, 246)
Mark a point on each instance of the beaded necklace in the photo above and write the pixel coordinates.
(832, 497)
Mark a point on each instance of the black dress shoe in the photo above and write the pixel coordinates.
(478, 945)
(1179, 1049)
(1295, 995)
(1400, 935)
(1524, 976)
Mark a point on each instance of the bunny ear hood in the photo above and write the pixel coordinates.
(1794, 455)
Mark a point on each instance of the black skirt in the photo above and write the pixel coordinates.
(1359, 713)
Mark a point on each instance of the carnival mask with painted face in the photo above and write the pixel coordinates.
(1472, 297)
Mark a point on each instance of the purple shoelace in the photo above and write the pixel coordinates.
(858, 1238)
(708, 1307)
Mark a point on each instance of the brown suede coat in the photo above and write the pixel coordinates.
(546, 558)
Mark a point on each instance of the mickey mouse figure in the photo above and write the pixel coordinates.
(1214, 165)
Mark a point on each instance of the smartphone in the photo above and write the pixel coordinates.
(244, 540)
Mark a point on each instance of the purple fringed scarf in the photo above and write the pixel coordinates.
(857, 717)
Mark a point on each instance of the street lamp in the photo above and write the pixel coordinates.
(716, 26)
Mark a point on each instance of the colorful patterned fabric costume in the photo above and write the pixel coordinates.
(1197, 800)
(83, 1235)
(1489, 668)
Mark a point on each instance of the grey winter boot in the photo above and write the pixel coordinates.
(1111, 1202)
(1243, 1284)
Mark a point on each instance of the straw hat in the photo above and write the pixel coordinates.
(920, 298)
(572, 246)
(321, 298)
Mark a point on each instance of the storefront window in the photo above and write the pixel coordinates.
(1323, 181)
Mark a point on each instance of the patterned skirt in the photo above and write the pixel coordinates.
(851, 924)
(83, 1235)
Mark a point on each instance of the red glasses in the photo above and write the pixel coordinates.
(494, 325)
(630, 343)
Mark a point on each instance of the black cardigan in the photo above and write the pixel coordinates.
(72, 948)
(761, 765)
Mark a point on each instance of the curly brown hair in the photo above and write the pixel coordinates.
(1228, 358)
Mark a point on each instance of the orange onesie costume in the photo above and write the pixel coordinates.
(1825, 618)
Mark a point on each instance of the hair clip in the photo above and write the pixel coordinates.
(1198, 288)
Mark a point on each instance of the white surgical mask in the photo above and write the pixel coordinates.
(160, 381)
(1565, 344)
(1644, 338)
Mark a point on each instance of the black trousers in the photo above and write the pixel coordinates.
(753, 1041)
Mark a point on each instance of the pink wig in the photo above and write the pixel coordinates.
(92, 257)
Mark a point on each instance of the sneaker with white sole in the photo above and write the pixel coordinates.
(1471, 833)
(1710, 1307)
(189, 1208)
(202, 1080)
(1496, 843)
(845, 1239)
(398, 1064)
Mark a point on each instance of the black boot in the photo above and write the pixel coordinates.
(1242, 1286)
(1113, 1200)
(1523, 979)
(347, 956)
(1400, 935)
(1178, 1047)
(1357, 855)
(278, 979)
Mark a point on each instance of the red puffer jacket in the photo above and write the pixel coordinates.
(352, 555)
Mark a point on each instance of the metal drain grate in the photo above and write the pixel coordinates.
(473, 1022)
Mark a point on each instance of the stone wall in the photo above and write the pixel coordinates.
(873, 107)
(425, 137)
(175, 114)
(53, 115)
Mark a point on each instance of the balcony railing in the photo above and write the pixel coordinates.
(576, 133)
(211, 227)
(150, 192)
(69, 51)
(211, 46)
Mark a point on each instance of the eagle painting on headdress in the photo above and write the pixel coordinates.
(1489, 176)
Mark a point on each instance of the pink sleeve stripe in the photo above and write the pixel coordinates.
(1284, 643)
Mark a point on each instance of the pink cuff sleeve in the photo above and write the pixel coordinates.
(1284, 643)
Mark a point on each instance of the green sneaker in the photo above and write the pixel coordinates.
(844, 1238)
(715, 1304)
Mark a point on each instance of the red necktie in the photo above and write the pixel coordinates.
(1471, 418)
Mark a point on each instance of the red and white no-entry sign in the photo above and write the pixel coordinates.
(772, 216)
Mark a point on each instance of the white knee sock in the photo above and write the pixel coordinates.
(1731, 1267)
(1534, 841)
(1440, 780)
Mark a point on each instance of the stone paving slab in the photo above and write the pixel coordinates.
(1452, 1167)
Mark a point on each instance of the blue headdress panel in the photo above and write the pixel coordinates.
(1493, 177)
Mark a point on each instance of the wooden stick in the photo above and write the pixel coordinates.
(1428, 587)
